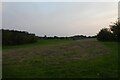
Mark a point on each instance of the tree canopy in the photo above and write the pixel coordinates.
(115, 28)
(110, 34)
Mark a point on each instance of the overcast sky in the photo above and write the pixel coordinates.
(59, 18)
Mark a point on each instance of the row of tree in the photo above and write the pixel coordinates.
(13, 37)
(110, 34)
(75, 37)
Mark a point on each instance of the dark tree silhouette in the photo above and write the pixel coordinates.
(105, 35)
(115, 28)
(110, 34)
(13, 37)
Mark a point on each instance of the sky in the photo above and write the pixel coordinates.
(59, 18)
(59, 0)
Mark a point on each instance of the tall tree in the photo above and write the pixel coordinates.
(115, 28)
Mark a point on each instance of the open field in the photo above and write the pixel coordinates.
(87, 58)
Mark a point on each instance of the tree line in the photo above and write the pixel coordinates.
(75, 37)
(14, 37)
(110, 34)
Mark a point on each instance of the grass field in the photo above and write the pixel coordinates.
(87, 58)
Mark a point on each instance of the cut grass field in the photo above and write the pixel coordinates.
(87, 58)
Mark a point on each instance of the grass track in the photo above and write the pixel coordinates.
(62, 59)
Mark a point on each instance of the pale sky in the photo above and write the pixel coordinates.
(59, 18)
(59, 0)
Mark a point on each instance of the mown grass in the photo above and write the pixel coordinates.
(60, 65)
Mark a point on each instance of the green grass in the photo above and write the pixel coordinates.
(45, 66)
(41, 42)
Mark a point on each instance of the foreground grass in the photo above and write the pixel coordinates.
(76, 59)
